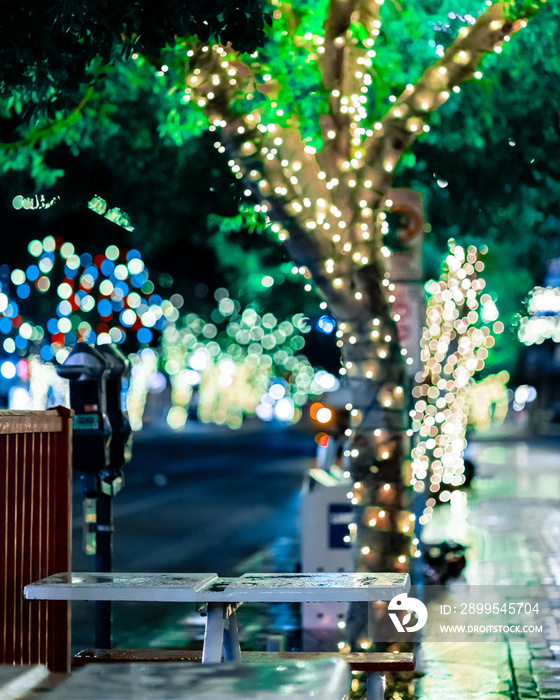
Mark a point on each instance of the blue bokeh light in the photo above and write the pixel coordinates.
(326, 324)
(32, 273)
(104, 307)
(23, 291)
(144, 335)
(46, 353)
(107, 267)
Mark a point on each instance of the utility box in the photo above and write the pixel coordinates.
(326, 516)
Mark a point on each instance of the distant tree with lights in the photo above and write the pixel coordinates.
(105, 297)
(461, 324)
(240, 362)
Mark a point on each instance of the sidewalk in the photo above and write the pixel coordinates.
(512, 527)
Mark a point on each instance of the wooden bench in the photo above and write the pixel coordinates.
(222, 597)
(362, 661)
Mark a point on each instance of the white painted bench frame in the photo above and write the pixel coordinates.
(222, 596)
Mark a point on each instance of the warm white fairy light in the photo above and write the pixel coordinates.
(543, 322)
(453, 349)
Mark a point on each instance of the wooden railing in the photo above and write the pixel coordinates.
(35, 533)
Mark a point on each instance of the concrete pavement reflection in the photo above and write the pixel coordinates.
(511, 525)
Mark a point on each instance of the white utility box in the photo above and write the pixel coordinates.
(326, 513)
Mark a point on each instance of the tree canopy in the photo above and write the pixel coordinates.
(50, 51)
(483, 166)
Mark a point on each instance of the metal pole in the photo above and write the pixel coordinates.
(103, 563)
(214, 633)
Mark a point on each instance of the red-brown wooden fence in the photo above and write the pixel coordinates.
(35, 533)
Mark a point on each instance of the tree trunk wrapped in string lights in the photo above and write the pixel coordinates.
(326, 191)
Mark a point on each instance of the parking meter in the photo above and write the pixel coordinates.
(86, 369)
(92, 375)
(116, 384)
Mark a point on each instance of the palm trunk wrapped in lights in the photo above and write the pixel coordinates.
(327, 199)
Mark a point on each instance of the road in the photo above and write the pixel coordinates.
(202, 499)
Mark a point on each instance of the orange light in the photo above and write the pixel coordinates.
(314, 408)
(322, 439)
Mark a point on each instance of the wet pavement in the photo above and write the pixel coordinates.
(465, 671)
(511, 525)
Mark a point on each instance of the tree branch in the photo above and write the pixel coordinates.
(406, 119)
(52, 128)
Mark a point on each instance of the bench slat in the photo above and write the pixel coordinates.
(201, 588)
(120, 586)
(373, 662)
(107, 656)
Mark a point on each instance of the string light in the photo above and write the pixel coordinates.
(441, 409)
(543, 319)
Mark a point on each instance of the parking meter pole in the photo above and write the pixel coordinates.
(101, 446)
(87, 369)
(104, 563)
(116, 385)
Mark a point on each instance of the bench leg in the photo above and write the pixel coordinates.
(375, 688)
(214, 633)
(232, 650)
